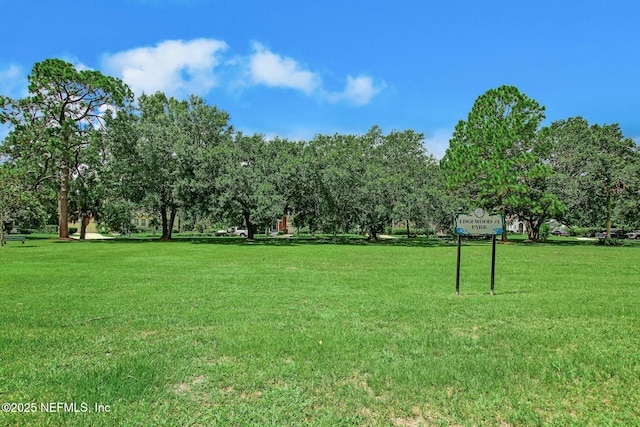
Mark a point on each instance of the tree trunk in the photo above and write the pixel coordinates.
(84, 221)
(63, 200)
(165, 230)
(408, 230)
(530, 231)
(250, 227)
(247, 221)
(2, 228)
(609, 208)
(504, 238)
(373, 234)
(172, 220)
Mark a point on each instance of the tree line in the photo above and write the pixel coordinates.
(80, 147)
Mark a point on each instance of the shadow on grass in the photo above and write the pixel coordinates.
(554, 243)
(573, 243)
(338, 240)
(283, 241)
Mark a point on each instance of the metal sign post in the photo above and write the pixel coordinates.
(479, 223)
(493, 261)
(458, 266)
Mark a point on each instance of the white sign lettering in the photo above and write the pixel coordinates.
(479, 224)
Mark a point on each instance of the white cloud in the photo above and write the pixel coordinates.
(13, 82)
(438, 142)
(180, 68)
(77, 64)
(358, 91)
(270, 69)
(175, 67)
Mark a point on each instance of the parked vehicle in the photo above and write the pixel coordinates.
(560, 232)
(618, 234)
(615, 234)
(233, 231)
(634, 235)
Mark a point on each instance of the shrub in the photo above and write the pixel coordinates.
(49, 229)
(73, 230)
(610, 242)
(584, 231)
(429, 231)
(402, 231)
(544, 231)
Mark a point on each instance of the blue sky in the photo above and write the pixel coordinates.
(298, 68)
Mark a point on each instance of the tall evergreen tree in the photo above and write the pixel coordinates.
(492, 155)
(50, 127)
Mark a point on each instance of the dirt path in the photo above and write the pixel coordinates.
(90, 236)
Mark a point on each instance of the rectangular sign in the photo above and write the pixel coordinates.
(479, 223)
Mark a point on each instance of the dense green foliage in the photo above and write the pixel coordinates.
(162, 157)
(596, 172)
(17, 203)
(251, 171)
(365, 181)
(492, 150)
(78, 137)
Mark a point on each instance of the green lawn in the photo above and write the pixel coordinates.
(278, 333)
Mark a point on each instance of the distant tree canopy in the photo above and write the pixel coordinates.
(595, 171)
(79, 142)
(366, 181)
(17, 202)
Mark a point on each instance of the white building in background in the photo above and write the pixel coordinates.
(516, 225)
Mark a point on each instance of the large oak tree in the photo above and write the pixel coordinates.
(350, 182)
(251, 174)
(164, 158)
(594, 167)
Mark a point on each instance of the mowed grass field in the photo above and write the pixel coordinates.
(189, 333)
